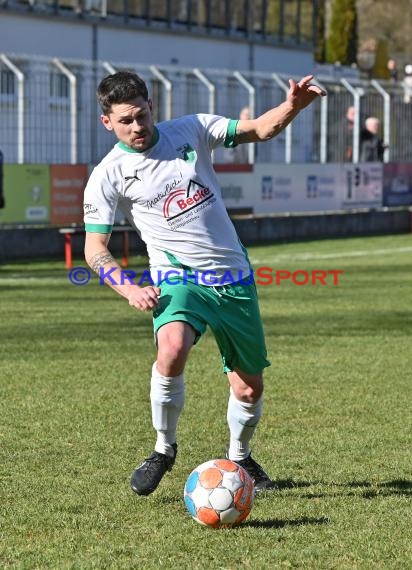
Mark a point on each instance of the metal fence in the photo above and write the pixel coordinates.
(50, 114)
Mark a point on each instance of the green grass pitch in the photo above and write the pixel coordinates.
(336, 431)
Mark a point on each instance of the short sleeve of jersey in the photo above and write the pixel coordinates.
(100, 203)
(220, 130)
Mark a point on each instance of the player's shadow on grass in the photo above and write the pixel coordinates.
(371, 490)
(367, 489)
(281, 523)
(281, 484)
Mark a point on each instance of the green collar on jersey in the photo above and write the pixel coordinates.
(123, 146)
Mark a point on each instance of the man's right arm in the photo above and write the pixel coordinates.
(271, 123)
(100, 259)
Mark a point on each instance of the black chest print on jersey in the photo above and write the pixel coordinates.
(134, 177)
(131, 179)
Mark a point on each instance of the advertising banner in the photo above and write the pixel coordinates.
(397, 184)
(362, 185)
(296, 188)
(67, 183)
(273, 188)
(280, 188)
(26, 194)
(239, 189)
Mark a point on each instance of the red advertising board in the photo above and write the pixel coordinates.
(67, 184)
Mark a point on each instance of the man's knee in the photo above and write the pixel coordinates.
(171, 358)
(173, 346)
(247, 388)
(248, 394)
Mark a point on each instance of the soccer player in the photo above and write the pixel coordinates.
(162, 178)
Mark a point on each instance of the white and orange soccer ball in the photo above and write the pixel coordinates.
(219, 493)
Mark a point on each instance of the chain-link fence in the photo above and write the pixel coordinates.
(50, 114)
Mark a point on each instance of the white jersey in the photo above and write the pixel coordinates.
(171, 196)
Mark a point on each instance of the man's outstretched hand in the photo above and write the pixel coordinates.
(302, 94)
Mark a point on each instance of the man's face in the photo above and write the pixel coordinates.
(373, 127)
(350, 114)
(132, 123)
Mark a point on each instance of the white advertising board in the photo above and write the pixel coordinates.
(277, 188)
(362, 185)
(296, 188)
(238, 190)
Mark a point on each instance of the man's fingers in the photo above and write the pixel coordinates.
(305, 83)
(316, 89)
(293, 86)
(305, 80)
(145, 299)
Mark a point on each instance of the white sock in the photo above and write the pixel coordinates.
(167, 395)
(242, 419)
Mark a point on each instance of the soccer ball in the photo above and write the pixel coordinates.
(219, 493)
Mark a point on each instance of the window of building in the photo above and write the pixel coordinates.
(117, 8)
(199, 12)
(136, 8)
(257, 16)
(159, 10)
(180, 11)
(218, 14)
(307, 12)
(289, 20)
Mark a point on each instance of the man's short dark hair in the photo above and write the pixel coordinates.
(120, 87)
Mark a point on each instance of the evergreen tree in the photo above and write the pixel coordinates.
(342, 42)
(380, 68)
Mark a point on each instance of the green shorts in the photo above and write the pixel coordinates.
(231, 311)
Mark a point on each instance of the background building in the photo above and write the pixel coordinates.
(258, 35)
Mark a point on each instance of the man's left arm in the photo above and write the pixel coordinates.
(271, 123)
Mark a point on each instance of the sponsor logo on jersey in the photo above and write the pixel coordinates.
(90, 209)
(183, 200)
(160, 195)
(187, 153)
